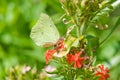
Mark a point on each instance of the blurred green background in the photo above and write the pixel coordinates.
(16, 20)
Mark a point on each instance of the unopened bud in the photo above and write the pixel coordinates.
(96, 26)
(100, 6)
(34, 70)
(84, 3)
(91, 69)
(103, 3)
(65, 21)
(106, 25)
(26, 69)
(12, 70)
(76, 1)
(62, 1)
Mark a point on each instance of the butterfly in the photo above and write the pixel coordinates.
(44, 33)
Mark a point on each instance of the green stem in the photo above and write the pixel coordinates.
(78, 31)
(112, 30)
(82, 28)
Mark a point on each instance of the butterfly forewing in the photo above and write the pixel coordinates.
(44, 32)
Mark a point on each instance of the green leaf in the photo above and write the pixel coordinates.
(101, 17)
(44, 32)
(92, 43)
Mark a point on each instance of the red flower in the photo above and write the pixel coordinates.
(76, 59)
(69, 58)
(48, 55)
(103, 73)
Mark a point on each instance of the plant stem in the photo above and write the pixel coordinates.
(78, 31)
(82, 28)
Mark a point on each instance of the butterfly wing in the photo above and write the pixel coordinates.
(44, 32)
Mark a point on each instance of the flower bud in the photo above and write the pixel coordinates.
(62, 1)
(65, 21)
(84, 3)
(103, 4)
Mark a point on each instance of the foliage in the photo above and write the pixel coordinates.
(18, 16)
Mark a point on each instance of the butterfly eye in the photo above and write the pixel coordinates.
(55, 46)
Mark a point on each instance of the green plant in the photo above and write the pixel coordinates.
(74, 55)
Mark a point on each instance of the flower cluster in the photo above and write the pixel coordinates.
(74, 55)
(48, 55)
(102, 72)
(77, 52)
(76, 59)
(58, 47)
